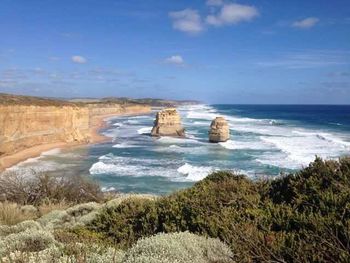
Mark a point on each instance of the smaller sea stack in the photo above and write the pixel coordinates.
(168, 123)
(219, 130)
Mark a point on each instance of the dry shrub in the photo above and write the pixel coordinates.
(11, 213)
(48, 206)
(40, 187)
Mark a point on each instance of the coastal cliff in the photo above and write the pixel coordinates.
(22, 127)
(41, 122)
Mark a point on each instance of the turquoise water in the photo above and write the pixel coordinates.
(265, 141)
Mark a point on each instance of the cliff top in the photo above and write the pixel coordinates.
(8, 99)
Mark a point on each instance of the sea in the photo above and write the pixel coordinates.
(266, 141)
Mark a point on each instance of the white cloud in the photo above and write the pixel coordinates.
(306, 23)
(232, 14)
(187, 20)
(215, 2)
(175, 60)
(79, 59)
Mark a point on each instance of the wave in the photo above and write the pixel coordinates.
(174, 140)
(108, 189)
(132, 122)
(144, 130)
(194, 173)
(198, 150)
(301, 150)
(325, 136)
(125, 145)
(248, 145)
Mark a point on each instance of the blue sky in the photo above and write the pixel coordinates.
(217, 51)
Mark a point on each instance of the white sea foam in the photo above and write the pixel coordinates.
(125, 145)
(129, 169)
(202, 123)
(178, 149)
(174, 140)
(132, 122)
(108, 189)
(129, 166)
(144, 130)
(249, 145)
(301, 150)
(325, 136)
(194, 173)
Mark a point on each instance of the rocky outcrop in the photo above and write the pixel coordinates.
(219, 130)
(168, 123)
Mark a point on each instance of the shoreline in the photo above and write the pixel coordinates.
(97, 123)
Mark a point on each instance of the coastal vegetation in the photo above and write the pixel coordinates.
(302, 217)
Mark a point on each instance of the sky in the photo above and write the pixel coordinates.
(215, 51)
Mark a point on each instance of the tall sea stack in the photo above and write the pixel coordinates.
(168, 123)
(219, 130)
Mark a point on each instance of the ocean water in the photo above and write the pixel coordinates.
(266, 140)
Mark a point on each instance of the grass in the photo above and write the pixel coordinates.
(12, 213)
(8, 99)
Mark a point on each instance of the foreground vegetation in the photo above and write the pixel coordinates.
(224, 218)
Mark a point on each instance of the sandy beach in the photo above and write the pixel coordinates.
(97, 123)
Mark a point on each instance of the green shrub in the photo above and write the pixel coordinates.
(30, 240)
(178, 248)
(302, 217)
(25, 225)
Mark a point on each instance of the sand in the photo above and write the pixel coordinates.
(97, 123)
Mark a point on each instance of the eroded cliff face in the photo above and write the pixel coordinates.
(25, 126)
(116, 109)
(22, 127)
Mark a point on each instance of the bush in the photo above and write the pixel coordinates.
(30, 224)
(296, 218)
(40, 187)
(30, 240)
(178, 248)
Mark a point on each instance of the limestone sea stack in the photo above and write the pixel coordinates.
(219, 130)
(168, 123)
